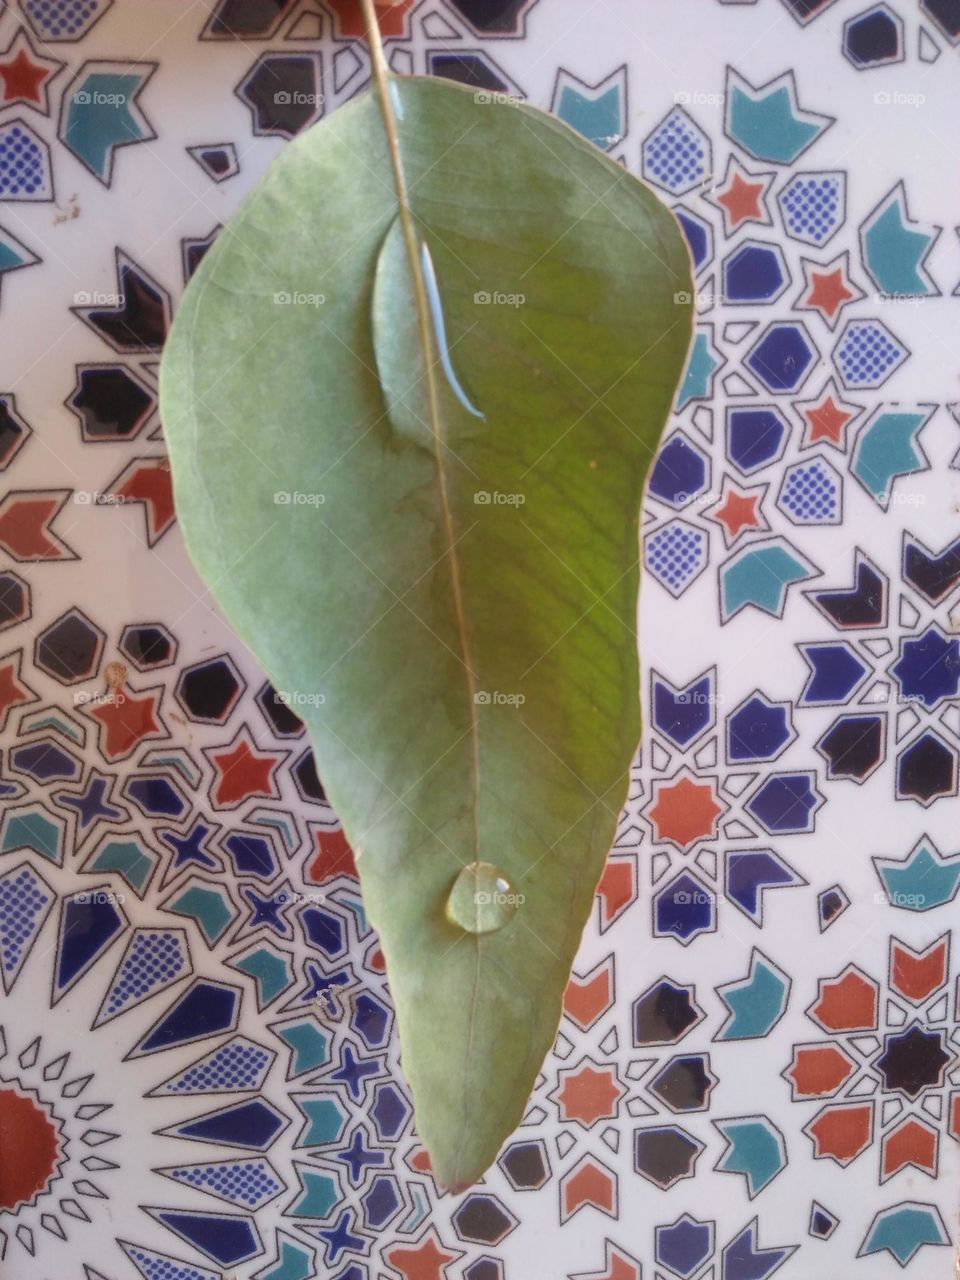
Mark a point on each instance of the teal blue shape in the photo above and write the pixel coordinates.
(11, 255)
(311, 1048)
(270, 971)
(320, 1194)
(326, 1121)
(756, 1004)
(924, 881)
(892, 253)
(208, 908)
(701, 367)
(356, 906)
(293, 1262)
(99, 119)
(129, 859)
(886, 449)
(768, 127)
(904, 1231)
(760, 577)
(597, 118)
(34, 831)
(756, 1151)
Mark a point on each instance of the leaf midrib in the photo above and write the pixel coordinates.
(382, 79)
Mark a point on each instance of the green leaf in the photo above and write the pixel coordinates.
(448, 596)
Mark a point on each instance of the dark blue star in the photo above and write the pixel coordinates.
(322, 986)
(90, 805)
(353, 1071)
(188, 848)
(266, 911)
(928, 669)
(339, 1239)
(357, 1156)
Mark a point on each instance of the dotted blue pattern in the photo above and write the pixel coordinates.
(23, 167)
(811, 494)
(867, 353)
(22, 901)
(675, 154)
(811, 206)
(676, 554)
(154, 1267)
(61, 19)
(245, 1182)
(237, 1065)
(156, 958)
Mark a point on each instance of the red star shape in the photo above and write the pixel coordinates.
(334, 857)
(11, 690)
(738, 511)
(25, 74)
(428, 1261)
(828, 292)
(126, 720)
(243, 771)
(826, 421)
(684, 812)
(23, 80)
(588, 1095)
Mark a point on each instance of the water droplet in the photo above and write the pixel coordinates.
(440, 334)
(482, 899)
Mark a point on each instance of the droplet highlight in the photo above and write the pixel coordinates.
(482, 899)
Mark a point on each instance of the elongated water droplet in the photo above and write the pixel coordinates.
(482, 899)
(440, 332)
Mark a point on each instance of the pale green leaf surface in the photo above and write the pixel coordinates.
(560, 400)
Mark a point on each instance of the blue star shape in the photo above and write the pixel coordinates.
(353, 1071)
(339, 1238)
(357, 1156)
(90, 805)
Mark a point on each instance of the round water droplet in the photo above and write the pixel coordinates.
(482, 899)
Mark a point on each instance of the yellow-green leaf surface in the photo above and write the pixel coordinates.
(409, 455)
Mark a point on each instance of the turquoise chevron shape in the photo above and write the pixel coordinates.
(13, 254)
(100, 114)
(320, 1194)
(702, 365)
(310, 1047)
(756, 1150)
(767, 122)
(887, 448)
(922, 881)
(209, 907)
(326, 1121)
(756, 1003)
(761, 576)
(893, 252)
(596, 111)
(903, 1231)
(270, 970)
(294, 1262)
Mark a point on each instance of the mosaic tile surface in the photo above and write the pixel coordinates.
(758, 1070)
